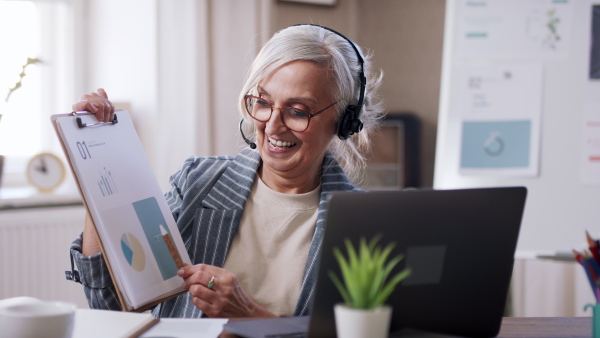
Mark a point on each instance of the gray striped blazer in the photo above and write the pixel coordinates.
(207, 200)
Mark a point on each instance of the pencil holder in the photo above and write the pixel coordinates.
(595, 319)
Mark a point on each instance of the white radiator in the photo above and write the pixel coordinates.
(546, 288)
(34, 253)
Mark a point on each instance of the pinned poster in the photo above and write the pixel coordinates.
(590, 147)
(500, 106)
(515, 29)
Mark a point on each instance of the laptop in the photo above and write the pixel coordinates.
(460, 245)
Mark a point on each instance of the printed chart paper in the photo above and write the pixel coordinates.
(500, 107)
(126, 204)
(514, 29)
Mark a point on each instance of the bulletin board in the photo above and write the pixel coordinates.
(520, 106)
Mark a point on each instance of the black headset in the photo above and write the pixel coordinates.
(350, 122)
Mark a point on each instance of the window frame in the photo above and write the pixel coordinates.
(58, 45)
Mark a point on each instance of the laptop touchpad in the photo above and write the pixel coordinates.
(427, 264)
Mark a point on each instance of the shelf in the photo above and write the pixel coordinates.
(29, 197)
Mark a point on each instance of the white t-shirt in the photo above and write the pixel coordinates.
(269, 251)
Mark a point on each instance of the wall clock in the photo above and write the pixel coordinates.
(45, 171)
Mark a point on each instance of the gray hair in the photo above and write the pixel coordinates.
(336, 55)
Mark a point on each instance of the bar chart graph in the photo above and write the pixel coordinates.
(106, 183)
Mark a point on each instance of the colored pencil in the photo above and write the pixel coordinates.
(590, 260)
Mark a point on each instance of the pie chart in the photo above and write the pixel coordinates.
(133, 252)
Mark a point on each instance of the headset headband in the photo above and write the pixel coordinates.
(361, 60)
(349, 122)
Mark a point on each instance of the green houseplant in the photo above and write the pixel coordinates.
(365, 286)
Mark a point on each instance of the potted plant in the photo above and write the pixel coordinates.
(365, 288)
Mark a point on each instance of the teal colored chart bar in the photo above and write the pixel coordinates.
(150, 216)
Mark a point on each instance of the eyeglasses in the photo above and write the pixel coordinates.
(294, 118)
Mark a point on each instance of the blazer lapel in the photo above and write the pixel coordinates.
(218, 219)
(332, 179)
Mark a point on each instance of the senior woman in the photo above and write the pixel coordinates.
(253, 223)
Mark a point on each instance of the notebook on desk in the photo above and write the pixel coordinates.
(460, 245)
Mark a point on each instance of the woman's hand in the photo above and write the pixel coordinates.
(98, 104)
(221, 296)
(90, 245)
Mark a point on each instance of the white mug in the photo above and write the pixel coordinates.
(25, 317)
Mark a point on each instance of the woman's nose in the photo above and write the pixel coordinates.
(275, 124)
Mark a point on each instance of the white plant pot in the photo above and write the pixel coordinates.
(355, 323)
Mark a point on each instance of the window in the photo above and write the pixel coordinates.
(36, 79)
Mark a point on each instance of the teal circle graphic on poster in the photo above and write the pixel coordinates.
(133, 252)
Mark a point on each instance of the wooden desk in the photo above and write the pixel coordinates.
(533, 327)
(546, 327)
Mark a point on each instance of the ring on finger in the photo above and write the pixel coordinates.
(211, 283)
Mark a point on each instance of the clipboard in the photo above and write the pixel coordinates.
(138, 235)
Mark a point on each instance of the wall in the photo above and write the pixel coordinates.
(407, 36)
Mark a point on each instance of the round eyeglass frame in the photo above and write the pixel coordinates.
(309, 115)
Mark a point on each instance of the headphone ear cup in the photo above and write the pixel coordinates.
(357, 125)
(345, 123)
(349, 123)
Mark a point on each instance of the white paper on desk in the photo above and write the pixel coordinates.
(126, 204)
(186, 327)
(90, 323)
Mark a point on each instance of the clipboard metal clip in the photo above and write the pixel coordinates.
(82, 124)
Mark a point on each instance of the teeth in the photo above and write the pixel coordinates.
(281, 144)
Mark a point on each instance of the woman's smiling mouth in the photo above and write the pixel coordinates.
(280, 145)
